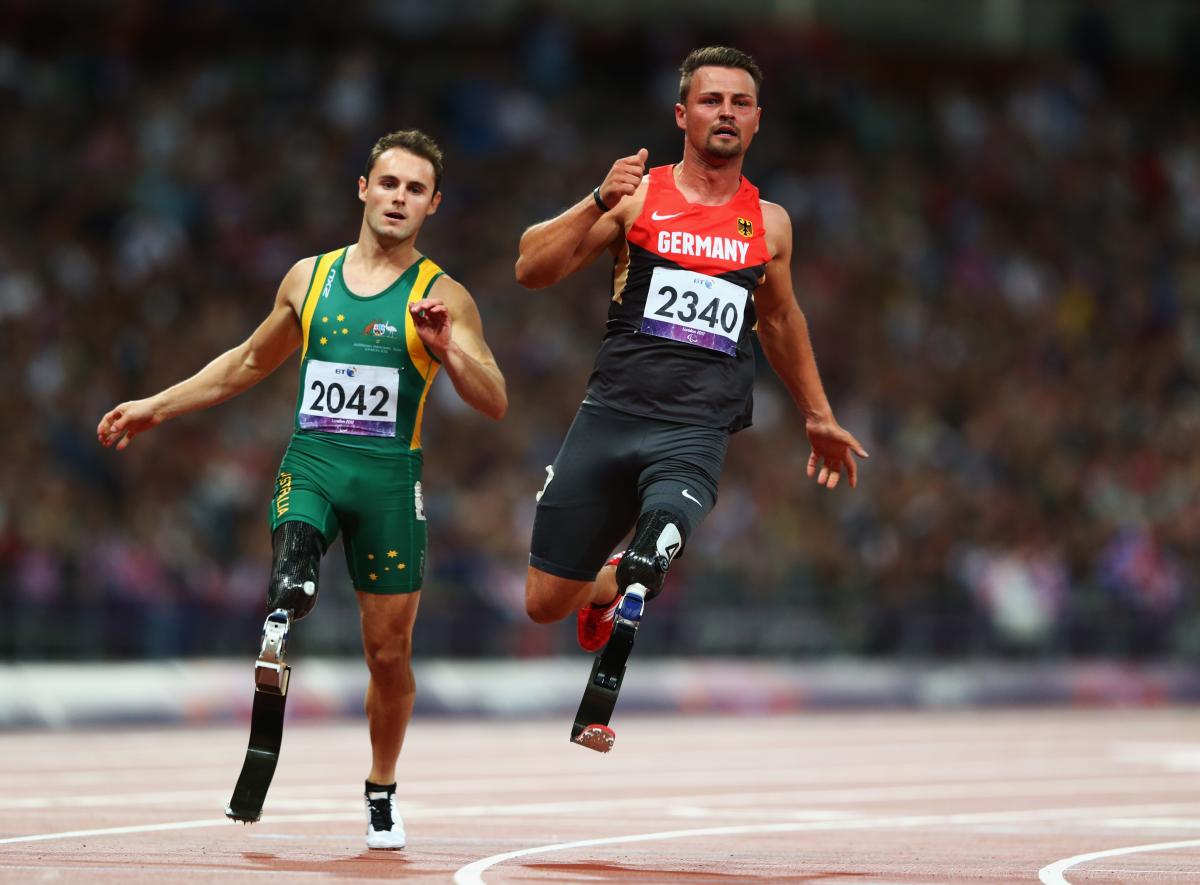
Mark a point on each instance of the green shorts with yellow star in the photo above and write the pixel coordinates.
(372, 498)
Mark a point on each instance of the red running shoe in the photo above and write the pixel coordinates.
(594, 623)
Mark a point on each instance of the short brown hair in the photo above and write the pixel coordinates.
(717, 57)
(415, 142)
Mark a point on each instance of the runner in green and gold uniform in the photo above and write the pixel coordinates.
(355, 458)
(375, 322)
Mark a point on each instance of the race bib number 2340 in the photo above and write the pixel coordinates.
(341, 398)
(692, 307)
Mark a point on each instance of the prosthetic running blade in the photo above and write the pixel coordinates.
(591, 728)
(266, 721)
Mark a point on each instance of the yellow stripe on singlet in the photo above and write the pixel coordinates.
(322, 278)
(425, 364)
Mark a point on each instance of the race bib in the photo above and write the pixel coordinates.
(340, 398)
(692, 307)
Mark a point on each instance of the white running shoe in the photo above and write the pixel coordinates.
(385, 829)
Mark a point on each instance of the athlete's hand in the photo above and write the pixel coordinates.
(623, 178)
(833, 450)
(433, 324)
(126, 421)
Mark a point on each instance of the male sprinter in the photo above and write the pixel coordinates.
(699, 260)
(373, 321)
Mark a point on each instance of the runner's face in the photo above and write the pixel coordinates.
(721, 114)
(399, 195)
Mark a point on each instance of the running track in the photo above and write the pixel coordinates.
(1091, 797)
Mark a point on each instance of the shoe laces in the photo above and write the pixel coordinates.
(381, 813)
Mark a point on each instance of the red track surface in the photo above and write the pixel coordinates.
(863, 798)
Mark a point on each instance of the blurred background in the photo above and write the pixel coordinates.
(997, 245)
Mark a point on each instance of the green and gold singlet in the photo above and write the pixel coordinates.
(354, 460)
(364, 372)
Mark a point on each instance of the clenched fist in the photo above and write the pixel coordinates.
(623, 178)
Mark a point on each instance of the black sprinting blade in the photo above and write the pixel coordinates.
(603, 688)
(262, 755)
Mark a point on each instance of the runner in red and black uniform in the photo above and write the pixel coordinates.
(700, 264)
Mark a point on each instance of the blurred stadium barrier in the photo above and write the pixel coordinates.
(203, 691)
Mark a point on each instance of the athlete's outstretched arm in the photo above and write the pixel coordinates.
(226, 376)
(555, 249)
(448, 322)
(783, 333)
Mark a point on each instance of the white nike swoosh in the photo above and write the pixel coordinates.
(658, 217)
(692, 498)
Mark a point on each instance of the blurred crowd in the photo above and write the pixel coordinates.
(999, 259)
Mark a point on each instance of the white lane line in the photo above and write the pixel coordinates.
(1129, 871)
(116, 831)
(1032, 767)
(472, 873)
(1192, 824)
(1053, 874)
(176, 825)
(957, 819)
(321, 793)
(740, 778)
(140, 869)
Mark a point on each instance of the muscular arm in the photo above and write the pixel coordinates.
(555, 249)
(449, 323)
(231, 373)
(782, 326)
(783, 333)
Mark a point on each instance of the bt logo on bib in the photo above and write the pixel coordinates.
(695, 309)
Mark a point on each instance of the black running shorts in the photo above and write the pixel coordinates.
(612, 467)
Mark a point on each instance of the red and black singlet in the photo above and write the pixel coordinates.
(677, 345)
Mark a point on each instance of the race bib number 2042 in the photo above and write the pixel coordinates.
(692, 307)
(340, 398)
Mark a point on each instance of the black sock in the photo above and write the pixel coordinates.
(380, 788)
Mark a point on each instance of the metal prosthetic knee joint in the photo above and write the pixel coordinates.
(656, 540)
(298, 548)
